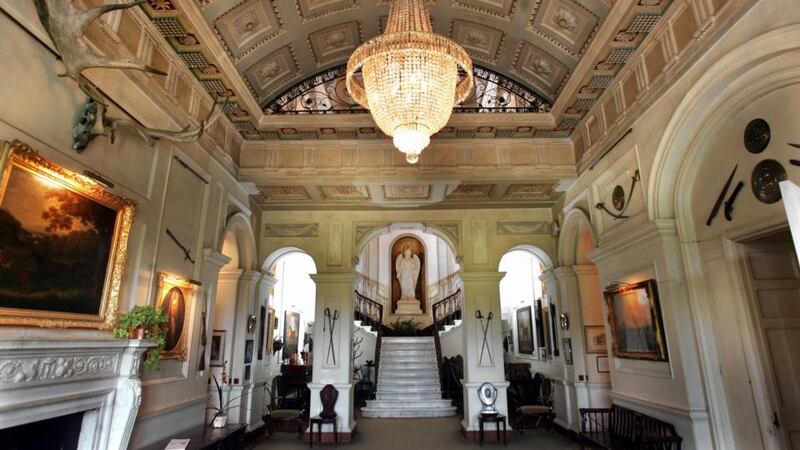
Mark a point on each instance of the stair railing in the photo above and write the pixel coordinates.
(370, 312)
(445, 312)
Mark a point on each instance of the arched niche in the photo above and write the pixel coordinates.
(378, 230)
(417, 247)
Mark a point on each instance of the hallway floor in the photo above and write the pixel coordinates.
(418, 434)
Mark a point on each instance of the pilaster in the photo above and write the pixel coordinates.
(331, 359)
(482, 362)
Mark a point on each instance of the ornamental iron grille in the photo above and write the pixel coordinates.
(325, 93)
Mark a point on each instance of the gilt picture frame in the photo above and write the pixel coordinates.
(634, 316)
(525, 343)
(64, 249)
(217, 351)
(176, 297)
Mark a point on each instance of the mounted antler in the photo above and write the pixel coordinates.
(66, 26)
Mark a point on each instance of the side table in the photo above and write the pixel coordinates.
(497, 419)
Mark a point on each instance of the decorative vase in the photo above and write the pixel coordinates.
(220, 422)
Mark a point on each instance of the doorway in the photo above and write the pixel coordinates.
(772, 282)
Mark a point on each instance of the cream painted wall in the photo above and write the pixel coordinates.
(474, 233)
(39, 108)
(684, 146)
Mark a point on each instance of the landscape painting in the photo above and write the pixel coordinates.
(634, 313)
(59, 244)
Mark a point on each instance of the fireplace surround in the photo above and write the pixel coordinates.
(46, 379)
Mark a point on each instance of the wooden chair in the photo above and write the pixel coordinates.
(286, 412)
(537, 406)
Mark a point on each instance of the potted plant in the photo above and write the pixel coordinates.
(220, 418)
(144, 322)
(406, 327)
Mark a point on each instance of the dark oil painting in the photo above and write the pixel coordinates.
(174, 306)
(54, 246)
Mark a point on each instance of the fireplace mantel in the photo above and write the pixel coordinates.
(42, 379)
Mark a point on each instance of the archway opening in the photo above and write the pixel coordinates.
(292, 304)
(521, 303)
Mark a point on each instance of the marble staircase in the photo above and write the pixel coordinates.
(408, 381)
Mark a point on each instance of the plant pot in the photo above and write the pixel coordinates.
(219, 422)
(138, 333)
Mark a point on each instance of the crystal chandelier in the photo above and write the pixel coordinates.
(409, 77)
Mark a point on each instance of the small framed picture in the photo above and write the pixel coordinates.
(217, 351)
(567, 344)
(602, 364)
(248, 351)
(595, 339)
(246, 372)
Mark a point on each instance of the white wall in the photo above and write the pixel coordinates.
(39, 108)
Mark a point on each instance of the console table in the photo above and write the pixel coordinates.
(205, 438)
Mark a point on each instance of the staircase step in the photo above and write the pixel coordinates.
(431, 388)
(408, 339)
(403, 378)
(427, 353)
(409, 396)
(408, 366)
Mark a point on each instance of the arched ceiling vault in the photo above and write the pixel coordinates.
(566, 51)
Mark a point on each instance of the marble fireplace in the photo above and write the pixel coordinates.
(90, 384)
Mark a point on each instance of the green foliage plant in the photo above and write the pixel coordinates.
(152, 321)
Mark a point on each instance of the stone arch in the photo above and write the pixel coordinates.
(543, 256)
(238, 225)
(573, 232)
(752, 70)
(275, 255)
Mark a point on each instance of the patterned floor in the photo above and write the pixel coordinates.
(418, 434)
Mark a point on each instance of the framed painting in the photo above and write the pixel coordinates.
(634, 314)
(595, 336)
(175, 297)
(63, 244)
(248, 351)
(291, 333)
(262, 333)
(272, 324)
(525, 330)
(217, 351)
(566, 343)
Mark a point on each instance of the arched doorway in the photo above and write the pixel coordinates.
(292, 304)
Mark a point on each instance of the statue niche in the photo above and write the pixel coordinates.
(408, 276)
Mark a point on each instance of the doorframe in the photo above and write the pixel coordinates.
(758, 364)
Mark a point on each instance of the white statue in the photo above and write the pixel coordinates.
(407, 266)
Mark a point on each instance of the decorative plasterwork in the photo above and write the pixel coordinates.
(344, 192)
(247, 26)
(539, 68)
(531, 192)
(284, 193)
(316, 9)
(503, 9)
(471, 192)
(37, 369)
(480, 41)
(291, 230)
(268, 73)
(403, 192)
(566, 23)
(335, 43)
(519, 228)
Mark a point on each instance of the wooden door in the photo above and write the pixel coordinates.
(774, 276)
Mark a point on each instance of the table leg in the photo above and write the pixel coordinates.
(480, 426)
(497, 424)
(311, 435)
(335, 434)
(505, 434)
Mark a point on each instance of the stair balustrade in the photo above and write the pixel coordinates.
(370, 313)
(445, 312)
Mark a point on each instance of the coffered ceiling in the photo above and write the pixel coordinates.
(566, 51)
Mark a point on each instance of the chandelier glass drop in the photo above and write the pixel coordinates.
(409, 77)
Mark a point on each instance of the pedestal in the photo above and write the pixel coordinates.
(408, 307)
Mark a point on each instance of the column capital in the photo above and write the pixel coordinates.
(214, 259)
(469, 277)
(333, 278)
(251, 276)
(230, 274)
(564, 272)
(268, 279)
(585, 269)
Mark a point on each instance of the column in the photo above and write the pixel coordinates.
(569, 301)
(245, 305)
(213, 261)
(482, 293)
(335, 295)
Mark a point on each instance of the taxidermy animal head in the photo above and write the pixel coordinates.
(66, 25)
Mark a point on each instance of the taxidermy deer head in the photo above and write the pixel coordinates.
(66, 26)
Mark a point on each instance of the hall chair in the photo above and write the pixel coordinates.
(533, 402)
(287, 413)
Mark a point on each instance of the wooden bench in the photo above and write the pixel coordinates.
(621, 428)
